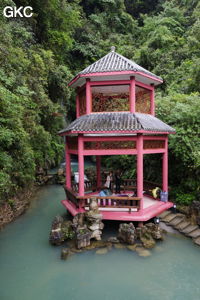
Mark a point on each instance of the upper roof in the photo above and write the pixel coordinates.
(114, 62)
(110, 122)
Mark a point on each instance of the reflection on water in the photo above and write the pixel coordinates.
(31, 269)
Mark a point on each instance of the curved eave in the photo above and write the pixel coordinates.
(80, 79)
(64, 133)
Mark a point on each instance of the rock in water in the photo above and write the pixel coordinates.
(113, 240)
(127, 233)
(65, 253)
(155, 231)
(93, 218)
(102, 251)
(132, 247)
(56, 235)
(119, 246)
(148, 233)
(143, 252)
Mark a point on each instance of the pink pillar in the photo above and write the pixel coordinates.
(140, 168)
(88, 97)
(132, 94)
(77, 106)
(67, 166)
(152, 100)
(165, 167)
(98, 169)
(81, 165)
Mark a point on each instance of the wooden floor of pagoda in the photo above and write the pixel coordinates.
(151, 209)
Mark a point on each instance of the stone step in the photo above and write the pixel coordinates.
(182, 225)
(189, 229)
(164, 214)
(177, 220)
(197, 241)
(169, 218)
(194, 234)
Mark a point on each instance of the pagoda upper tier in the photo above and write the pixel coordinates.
(114, 66)
(115, 84)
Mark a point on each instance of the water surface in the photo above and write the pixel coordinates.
(31, 269)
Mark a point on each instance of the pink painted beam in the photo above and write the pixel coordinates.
(81, 166)
(140, 169)
(153, 151)
(88, 97)
(116, 131)
(165, 167)
(132, 94)
(114, 73)
(73, 152)
(110, 152)
(109, 138)
(146, 86)
(110, 82)
(150, 138)
(98, 170)
(67, 165)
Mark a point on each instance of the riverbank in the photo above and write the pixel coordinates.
(16, 206)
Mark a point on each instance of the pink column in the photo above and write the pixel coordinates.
(152, 100)
(88, 97)
(67, 165)
(77, 106)
(132, 94)
(165, 167)
(81, 165)
(98, 169)
(140, 168)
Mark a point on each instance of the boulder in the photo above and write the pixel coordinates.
(65, 253)
(82, 237)
(148, 233)
(155, 231)
(127, 233)
(56, 235)
(102, 251)
(142, 252)
(113, 240)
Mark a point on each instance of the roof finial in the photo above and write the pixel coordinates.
(113, 48)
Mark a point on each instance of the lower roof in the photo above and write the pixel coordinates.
(109, 122)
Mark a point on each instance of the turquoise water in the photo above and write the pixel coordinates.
(31, 269)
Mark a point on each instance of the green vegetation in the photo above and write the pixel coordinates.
(39, 55)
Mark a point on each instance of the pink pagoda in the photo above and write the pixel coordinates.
(115, 112)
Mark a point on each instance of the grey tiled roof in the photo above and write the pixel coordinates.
(113, 62)
(117, 121)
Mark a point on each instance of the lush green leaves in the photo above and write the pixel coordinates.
(39, 55)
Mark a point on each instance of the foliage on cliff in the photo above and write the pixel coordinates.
(39, 55)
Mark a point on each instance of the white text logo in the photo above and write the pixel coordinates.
(22, 12)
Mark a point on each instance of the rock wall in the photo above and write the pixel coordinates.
(15, 207)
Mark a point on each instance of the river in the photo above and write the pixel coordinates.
(31, 269)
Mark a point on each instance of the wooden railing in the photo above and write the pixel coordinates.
(112, 202)
(126, 185)
(103, 202)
